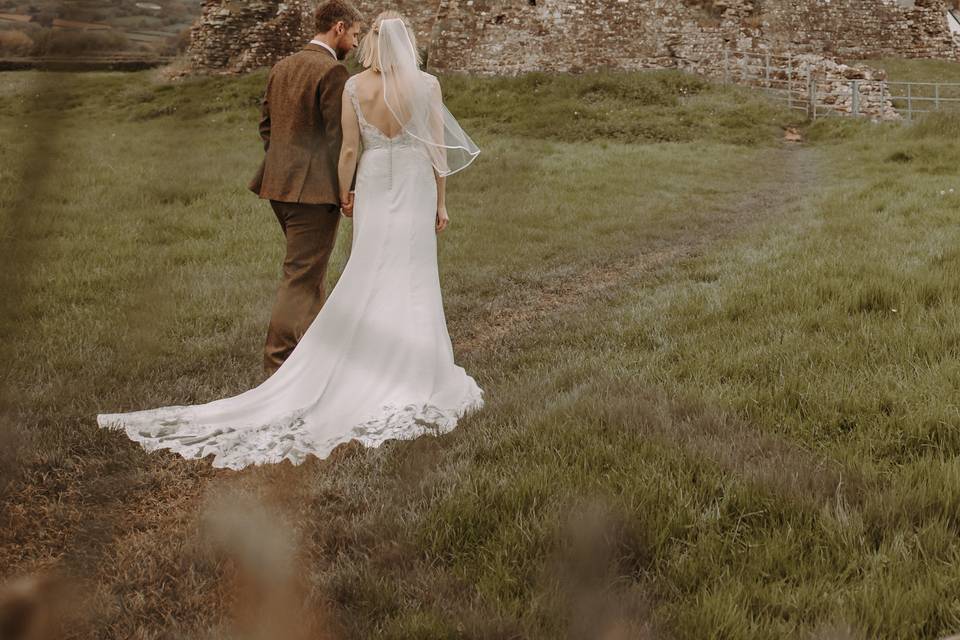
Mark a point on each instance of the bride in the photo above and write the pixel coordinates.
(377, 362)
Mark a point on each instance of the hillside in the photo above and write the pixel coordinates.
(82, 26)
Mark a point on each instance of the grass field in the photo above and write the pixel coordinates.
(722, 374)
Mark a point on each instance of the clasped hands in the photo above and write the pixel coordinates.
(346, 204)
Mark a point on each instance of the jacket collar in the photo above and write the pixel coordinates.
(310, 46)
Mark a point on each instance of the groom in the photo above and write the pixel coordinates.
(300, 128)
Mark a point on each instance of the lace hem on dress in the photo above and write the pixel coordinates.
(284, 439)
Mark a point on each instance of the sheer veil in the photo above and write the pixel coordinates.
(414, 99)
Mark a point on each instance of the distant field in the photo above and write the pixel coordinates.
(136, 22)
(98, 9)
(938, 83)
(722, 373)
(901, 70)
(130, 27)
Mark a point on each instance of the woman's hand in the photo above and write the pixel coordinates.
(346, 204)
(442, 219)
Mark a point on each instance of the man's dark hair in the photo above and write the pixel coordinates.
(330, 13)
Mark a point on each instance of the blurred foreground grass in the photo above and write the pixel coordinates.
(721, 375)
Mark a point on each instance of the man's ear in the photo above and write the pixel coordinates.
(341, 27)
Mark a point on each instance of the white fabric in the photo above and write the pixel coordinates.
(415, 100)
(953, 19)
(376, 363)
(325, 46)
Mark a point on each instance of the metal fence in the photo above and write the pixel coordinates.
(784, 79)
(912, 98)
(798, 83)
(906, 99)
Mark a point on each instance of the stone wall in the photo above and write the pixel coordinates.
(813, 83)
(508, 36)
(860, 28)
(518, 36)
(240, 35)
(421, 13)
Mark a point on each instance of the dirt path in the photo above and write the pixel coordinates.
(792, 173)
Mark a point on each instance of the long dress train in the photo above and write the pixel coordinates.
(375, 364)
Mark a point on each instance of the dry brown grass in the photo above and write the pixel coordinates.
(15, 43)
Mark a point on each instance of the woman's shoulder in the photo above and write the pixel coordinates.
(355, 83)
(363, 78)
(432, 83)
(359, 76)
(431, 79)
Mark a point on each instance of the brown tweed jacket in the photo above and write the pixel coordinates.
(300, 128)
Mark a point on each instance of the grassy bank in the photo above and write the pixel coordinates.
(721, 375)
(911, 70)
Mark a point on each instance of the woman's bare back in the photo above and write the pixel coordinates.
(368, 88)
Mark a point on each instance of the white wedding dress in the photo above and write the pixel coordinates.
(375, 364)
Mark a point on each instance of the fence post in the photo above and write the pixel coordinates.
(883, 99)
(726, 66)
(766, 63)
(855, 88)
(936, 97)
(789, 81)
(909, 101)
(811, 95)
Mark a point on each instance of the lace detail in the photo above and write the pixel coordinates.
(284, 439)
(411, 421)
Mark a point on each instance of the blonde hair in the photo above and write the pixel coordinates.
(369, 52)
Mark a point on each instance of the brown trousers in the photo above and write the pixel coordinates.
(310, 230)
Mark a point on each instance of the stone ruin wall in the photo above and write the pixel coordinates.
(421, 13)
(856, 29)
(517, 36)
(506, 37)
(510, 37)
(234, 36)
(239, 35)
(804, 37)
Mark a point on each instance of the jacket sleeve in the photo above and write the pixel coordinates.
(330, 97)
(265, 115)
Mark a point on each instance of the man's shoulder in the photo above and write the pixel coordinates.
(307, 57)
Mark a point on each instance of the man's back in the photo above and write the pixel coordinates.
(300, 127)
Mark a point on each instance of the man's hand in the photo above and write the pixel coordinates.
(442, 219)
(346, 204)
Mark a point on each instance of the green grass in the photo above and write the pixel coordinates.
(657, 106)
(721, 375)
(918, 70)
